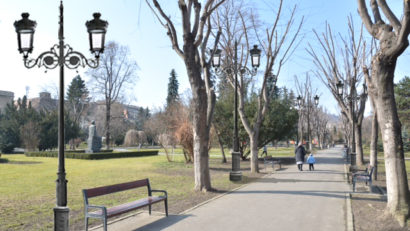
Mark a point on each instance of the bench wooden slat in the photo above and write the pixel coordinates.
(123, 208)
(103, 213)
(115, 188)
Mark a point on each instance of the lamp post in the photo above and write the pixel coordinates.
(316, 100)
(299, 104)
(352, 100)
(236, 174)
(61, 55)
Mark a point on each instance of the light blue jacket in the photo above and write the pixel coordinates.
(311, 159)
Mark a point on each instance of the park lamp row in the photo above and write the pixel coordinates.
(255, 57)
(299, 100)
(25, 29)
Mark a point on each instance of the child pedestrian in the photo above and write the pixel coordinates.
(311, 160)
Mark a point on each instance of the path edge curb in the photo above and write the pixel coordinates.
(219, 196)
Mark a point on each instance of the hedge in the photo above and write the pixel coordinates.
(83, 151)
(94, 156)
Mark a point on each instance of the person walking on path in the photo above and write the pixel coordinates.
(300, 153)
(311, 161)
(265, 151)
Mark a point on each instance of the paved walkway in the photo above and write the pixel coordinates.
(285, 200)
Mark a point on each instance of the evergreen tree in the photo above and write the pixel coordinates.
(172, 89)
(142, 116)
(77, 98)
(402, 95)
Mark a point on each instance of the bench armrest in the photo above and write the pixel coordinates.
(360, 174)
(103, 208)
(163, 191)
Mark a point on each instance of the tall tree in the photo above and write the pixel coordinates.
(196, 29)
(402, 95)
(116, 72)
(343, 64)
(77, 98)
(393, 41)
(276, 46)
(173, 84)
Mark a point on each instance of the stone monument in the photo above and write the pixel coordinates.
(94, 141)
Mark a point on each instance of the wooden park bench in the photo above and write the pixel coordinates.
(103, 213)
(363, 176)
(268, 160)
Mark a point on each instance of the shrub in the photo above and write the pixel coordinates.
(94, 156)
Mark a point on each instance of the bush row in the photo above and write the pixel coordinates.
(94, 156)
(83, 151)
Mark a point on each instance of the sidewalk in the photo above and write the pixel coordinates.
(285, 200)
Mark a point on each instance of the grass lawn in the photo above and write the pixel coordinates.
(27, 192)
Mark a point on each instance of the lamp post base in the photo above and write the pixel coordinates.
(61, 218)
(235, 174)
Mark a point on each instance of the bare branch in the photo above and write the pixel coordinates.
(170, 27)
(405, 30)
(364, 14)
(376, 13)
(389, 15)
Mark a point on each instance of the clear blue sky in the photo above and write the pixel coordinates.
(131, 23)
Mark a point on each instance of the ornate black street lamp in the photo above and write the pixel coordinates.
(61, 55)
(316, 99)
(352, 100)
(299, 100)
(236, 174)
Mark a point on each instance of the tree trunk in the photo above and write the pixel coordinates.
(373, 143)
(359, 146)
(396, 178)
(107, 124)
(201, 141)
(201, 125)
(221, 145)
(254, 152)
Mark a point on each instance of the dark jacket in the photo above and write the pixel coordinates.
(300, 153)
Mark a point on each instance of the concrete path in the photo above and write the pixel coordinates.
(284, 200)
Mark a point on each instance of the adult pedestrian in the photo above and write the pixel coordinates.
(300, 153)
(265, 151)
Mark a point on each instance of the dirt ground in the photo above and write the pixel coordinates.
(369, 212)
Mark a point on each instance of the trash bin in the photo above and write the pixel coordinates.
(353, 159)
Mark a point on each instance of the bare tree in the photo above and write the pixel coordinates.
(306, 109)
(320, 122)
(331, 70)
(277, 47)
(393, 41)
(115, 73)
(196, 29)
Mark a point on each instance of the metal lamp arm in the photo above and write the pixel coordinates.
(48, 59)
(74, 59)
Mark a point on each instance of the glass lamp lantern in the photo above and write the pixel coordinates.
(299, 100)
(339, 88)
(316, 99)
(255, 56)
(96, 29)
(216, 58)
(25, 34)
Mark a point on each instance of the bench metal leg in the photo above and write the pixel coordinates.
(149, 208)
(105, 223)
(354, 185)
(166, 206)
(86, 223)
